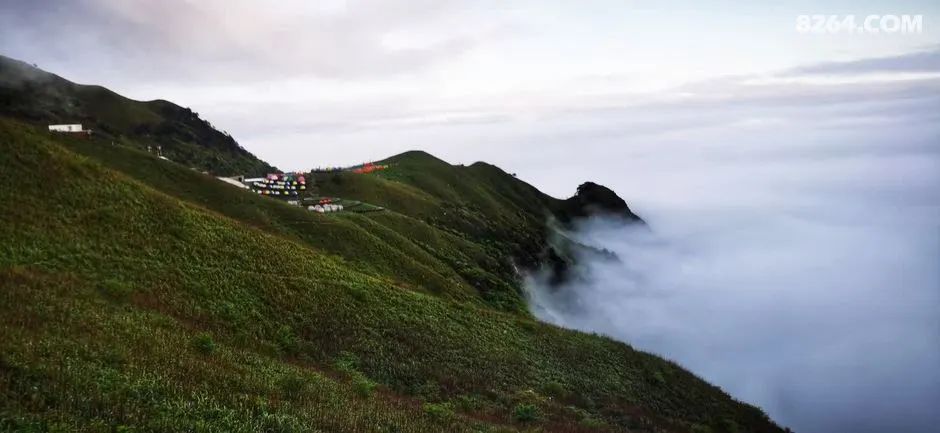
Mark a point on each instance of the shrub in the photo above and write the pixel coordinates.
(363, 386)
(468, 403)
(293, 386)
(279, 423)
(429, 391)
(659, 378)
(525, 412)
(204, 344)
(346, 362)
(439, 411)
(729, 425)
(592, 423)
(358, 293)
(555, 389)
(287, 342)
(115, 289)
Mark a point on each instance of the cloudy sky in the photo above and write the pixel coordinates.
(791, 179)
(338, 81)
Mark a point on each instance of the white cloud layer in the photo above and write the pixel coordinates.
(795, 247)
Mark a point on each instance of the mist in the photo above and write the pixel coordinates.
(796, 264)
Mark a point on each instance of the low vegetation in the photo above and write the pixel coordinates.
(138, 294)
(126, 305)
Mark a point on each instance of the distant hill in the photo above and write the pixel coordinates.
(36, 96)
(137, 294)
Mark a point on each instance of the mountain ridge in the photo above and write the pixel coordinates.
(38, 97)
(133, 282)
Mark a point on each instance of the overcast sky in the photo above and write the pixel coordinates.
(791, 179)
(303, 83)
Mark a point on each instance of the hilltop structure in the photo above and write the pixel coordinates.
(72, 128)
(364, 168)
(368, 168)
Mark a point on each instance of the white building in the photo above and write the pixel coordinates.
(76, 127)
(325, 208)
(230, 181)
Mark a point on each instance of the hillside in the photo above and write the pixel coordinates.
(137, 294)
(42, 98)
(480, 203)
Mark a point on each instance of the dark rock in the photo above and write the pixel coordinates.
(595, 200)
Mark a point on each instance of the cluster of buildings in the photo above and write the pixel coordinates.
(286, 186)
(325, 205)
(324, 208)
(281, 185)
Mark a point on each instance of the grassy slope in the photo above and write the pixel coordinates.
(40, 97)
(107, 283)
(480, 205)
(406, 251)
(479, 201)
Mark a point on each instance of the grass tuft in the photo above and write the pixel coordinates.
(204, 344)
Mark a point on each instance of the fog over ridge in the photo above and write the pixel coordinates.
(827, 325)
(794, 262)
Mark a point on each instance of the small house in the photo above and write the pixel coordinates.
(73, 128)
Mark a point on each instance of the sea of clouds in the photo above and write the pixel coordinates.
(794, 251)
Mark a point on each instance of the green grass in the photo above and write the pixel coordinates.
(389, 244)
(131, 303)
(383, 253)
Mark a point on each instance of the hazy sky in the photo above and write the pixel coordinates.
(791, 179)
(303, 83)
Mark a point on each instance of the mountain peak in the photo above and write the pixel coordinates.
(418, 156)
(592, 199)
